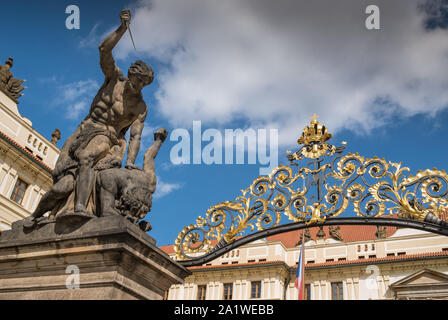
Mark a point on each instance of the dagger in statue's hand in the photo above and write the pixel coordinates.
(130, 33)
(129, 28)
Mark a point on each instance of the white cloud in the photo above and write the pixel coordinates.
(168, 165)
(75, 110)
(148, 134)
(164, 188)
(147, 137)
(93, 39)
(76, 97)
(274, 64)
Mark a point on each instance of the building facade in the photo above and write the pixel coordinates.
(344, 262)
(26, 158)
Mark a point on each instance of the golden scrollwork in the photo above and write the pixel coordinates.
(316, 192)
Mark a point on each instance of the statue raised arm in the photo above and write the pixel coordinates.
(99, 142)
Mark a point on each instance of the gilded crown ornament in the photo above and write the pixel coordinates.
(315, 132)
(314, 138)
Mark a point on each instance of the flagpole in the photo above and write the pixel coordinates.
(299, 282)
(303, 264)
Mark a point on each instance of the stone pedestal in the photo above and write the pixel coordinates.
(115, 259)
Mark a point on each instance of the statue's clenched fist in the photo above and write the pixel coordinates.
(125, 17)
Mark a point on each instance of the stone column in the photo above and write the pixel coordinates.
(349, 289)
(323, 291)
(356, 286)
(379, 281)
(237, 291)
(316, 295)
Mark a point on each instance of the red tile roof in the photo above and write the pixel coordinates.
(167, 249)
(289, 239)
(410, 257)
(348, 233)
(237, 265)
(404, 257)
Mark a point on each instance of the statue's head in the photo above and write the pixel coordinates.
(9, 63)
(140, 74)
(136, 202)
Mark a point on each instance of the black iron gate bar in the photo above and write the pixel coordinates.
(435, 226)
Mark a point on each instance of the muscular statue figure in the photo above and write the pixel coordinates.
(99, 143)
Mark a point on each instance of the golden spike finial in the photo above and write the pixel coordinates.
(314, 118)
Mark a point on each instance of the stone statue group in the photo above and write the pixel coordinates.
(8, 84)
(88, 180)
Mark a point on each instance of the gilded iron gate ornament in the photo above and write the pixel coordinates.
(319, 184)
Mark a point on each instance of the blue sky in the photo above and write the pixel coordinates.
(244, 64)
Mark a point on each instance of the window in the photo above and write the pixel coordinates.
(307, 292)
(261, 260)
(372, 256)
(310, 261)
(228, 288)
(234, 262)
(444, 249)
(391, 254)
(225, 263)
(19, 191)
(361, 257)
(342, 259)
(336, 291)
(329, 260)
(250, 261)
(255, 292)
(202, 290)
(401, 253)
(359, 248)
(373, 246)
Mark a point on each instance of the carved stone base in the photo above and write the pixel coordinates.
(115, 259)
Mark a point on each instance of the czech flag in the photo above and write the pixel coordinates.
(299, 283)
